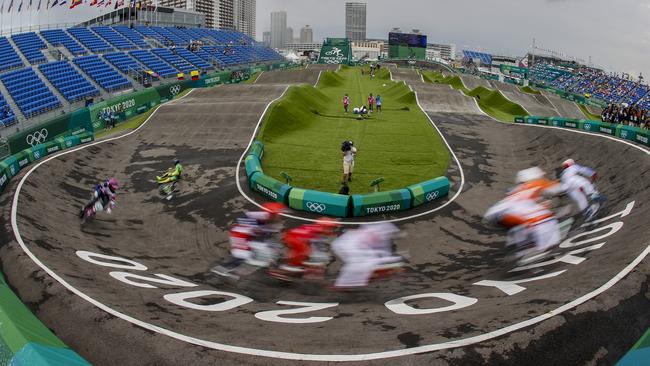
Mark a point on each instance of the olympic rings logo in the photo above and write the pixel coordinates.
(316, 207)
(175, 89)
(37, 137)
(432, 196)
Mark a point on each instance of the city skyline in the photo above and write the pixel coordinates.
(565, 26)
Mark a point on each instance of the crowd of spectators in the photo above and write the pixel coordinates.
(626, 115)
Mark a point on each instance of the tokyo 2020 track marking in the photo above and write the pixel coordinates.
(311, 357)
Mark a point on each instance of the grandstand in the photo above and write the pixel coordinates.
(48, 70)
(485, 58)
(592, 82)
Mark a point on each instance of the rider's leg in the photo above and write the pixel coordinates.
(546, 235)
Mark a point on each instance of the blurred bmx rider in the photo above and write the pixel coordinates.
(103, 196)
(363, 251)
(527, 219)
(577, 181)
(247, 237)
(172, 175)
(306, 244)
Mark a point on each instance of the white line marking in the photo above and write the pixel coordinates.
(258, 77)
(296, 217)
(299, 356)
(318, 79)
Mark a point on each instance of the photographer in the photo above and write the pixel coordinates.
(349, 151)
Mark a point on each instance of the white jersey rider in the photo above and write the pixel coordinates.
(577, 182)
(362, 251)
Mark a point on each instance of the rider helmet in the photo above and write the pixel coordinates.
(325, 226)
(113, 184)
(176, 161)
(530, 174)
(567, 163)
(274, 208)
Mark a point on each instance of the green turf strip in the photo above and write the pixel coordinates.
(303, 131)
(490, 101)
(588, 115)
(529, 90)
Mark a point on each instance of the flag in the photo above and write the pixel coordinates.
(11, 5)
(101, 2)
(55, 2)
(93, 2)
(108, 3)
(2, 7)
(74, 3)
(20, 6)
(62, 2)
(39, 5)
(29, 5)
(194, 74)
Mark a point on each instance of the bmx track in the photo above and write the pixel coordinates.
(133, 288)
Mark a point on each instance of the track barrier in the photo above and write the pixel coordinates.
(24, 340)
(629, 133)
(319, 202)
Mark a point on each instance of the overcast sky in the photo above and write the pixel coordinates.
(615, 33)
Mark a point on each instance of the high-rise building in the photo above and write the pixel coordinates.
(205, 7)
(306, 34)
(355, 21)
(266, 38)
(289, 36)
(244, 16)
(237, 15)
(278, 29)
(224, 14)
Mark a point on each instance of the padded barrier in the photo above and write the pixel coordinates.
(319, 202)
(270, 187)
(253, 165)
(428, 191)
(11, 165)
(381, 202)
(257, 149)
(630, 133)
(24, 340)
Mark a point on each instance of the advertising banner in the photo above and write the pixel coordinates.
(38, 134)
(270, 187)
(123, 107)
(321, 203)
(428, 191)
(381, 202)
(168, 92)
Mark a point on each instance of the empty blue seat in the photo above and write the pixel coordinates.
(65, 78)
(29, 92)
(102, 73)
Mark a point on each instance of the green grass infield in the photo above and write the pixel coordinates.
(303, 132)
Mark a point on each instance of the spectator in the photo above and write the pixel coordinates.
(378, 101)
(346, 103)
(371, 102)
(349, 152)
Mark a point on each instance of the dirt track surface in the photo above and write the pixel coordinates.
(442, 98)
(408, 75)
(472, 82)
(450, 252)
(565, 107)
(536, 105)
(307, 75)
